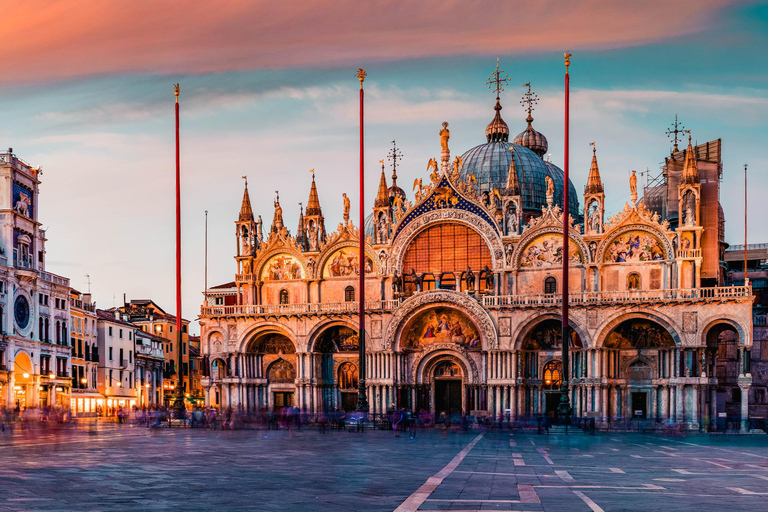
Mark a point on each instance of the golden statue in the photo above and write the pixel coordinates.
(550, 186)
(445, 134)
(633, 184)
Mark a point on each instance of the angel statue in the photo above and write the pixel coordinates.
(432, 164)
(458, 165)
(419, 189)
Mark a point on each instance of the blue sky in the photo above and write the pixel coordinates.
(104, 133)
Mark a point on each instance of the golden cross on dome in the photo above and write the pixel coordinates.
(673, 134)
(529, 99)
(496, 82)
(394, 155)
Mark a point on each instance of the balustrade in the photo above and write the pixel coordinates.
(496, 301)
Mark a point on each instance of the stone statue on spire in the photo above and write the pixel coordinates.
(633, 188)
(445, 154)
(346, 209)
(550, 190)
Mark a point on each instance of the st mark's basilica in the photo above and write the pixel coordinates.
(464, 287)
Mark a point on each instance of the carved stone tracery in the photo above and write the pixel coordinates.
(448, 298)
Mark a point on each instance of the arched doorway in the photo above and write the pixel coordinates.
(348, 381)
(282, 376)
(336, 352)
(540, 371)
(448, 382)
(271, 356)
(726, 360)
(638, 350)
(23, 381)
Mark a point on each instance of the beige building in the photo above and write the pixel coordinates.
(85, 398)
(463, 294)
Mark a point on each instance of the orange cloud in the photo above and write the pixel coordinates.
(57, 39)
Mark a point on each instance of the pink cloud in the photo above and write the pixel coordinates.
(57, 39)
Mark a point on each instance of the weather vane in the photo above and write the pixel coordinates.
(496, 81)
(394, 155)
(673, 134)
(594, 148)
(361, 74)
(529, 100)
(246, 181)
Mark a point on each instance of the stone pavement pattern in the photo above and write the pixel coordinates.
(129, 468)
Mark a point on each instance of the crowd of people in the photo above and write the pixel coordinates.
(400, 421)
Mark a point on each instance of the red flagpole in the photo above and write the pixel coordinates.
(565, 408)
(179, 402)
(362, 399)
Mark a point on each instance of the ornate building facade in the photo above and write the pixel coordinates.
(35, 358)
(463, 295)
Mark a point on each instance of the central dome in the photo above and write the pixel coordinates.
(489, 163)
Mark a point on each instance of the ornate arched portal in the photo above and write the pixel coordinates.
(335, 359)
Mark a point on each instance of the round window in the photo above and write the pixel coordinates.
(21, 311)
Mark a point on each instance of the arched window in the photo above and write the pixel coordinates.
(349, 294)
(281, 371)
(553, 375)
(550, 285)
(42, 329)
(348, 378)
(446, 248)
(448, 281)
(58, 332)
(633, 281)
(283, 296)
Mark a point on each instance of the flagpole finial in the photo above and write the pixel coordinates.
(568, 56)
(176, 91)
(361, 74)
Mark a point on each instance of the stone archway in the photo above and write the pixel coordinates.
(413, 306)
(25, 391)
(334, 345)
(445, 381)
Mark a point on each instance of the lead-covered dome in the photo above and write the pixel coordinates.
(489, 163)
(532, 139)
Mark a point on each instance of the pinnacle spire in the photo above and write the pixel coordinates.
(690, 169)
(313, 204)
(513, 185)
(246, 213)
(277, 220)
(382, 196)
(594, 184)
(301, 236)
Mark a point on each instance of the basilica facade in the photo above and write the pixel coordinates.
(463, 291)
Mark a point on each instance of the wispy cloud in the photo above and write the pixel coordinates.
(93, 37)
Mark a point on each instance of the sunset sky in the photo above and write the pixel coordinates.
(268, 90)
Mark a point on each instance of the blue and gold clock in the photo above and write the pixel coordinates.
(21, 311)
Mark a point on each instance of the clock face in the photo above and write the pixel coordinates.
(21, 311)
